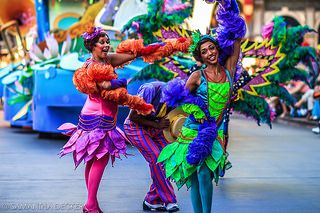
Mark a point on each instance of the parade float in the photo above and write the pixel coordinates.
(37, 86)
(17, 21)
(55, 99)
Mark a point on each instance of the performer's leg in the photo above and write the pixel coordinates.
(87, 171)
(141, 138)
(205, 187)
(153, 195)
(160, 140)
(86, 174)
(195, 194)
(162, 184)
(160, 176)
(94, 179)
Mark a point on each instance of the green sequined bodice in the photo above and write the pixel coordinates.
(215, 95)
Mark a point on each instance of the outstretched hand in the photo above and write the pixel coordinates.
(212, 1)
(201, 121)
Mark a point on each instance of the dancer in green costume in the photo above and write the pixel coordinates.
(184, 160)
(213, 86)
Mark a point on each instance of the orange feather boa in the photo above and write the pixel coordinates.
(167, 48)
(86, 78)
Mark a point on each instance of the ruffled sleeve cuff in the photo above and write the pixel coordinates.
(130, 46)
(193, 110)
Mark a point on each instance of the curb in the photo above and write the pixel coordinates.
(297, 122)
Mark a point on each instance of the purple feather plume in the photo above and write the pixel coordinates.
(201, 146)
(230, 25)
(175, 92)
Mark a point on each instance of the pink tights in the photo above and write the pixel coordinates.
(93, 174)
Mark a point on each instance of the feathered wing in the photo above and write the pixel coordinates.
(283, 51)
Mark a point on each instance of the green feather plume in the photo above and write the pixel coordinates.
(196, 37)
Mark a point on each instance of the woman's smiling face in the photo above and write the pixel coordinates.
(102, 47)
(209, 53)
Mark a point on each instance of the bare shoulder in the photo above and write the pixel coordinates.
(195, 75)
(194, 80)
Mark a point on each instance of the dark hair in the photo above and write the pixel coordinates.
(90, 43)
(197, 54)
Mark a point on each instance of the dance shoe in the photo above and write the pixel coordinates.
(316, 130)
(172, 207)
(93, 210)
(153, 207)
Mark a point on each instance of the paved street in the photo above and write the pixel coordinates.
(273, 171)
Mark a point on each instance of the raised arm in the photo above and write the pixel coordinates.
(232, 60)
(231, 29)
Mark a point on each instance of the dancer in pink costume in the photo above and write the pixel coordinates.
(96, 139)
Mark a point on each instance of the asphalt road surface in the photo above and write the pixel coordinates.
(273, 171)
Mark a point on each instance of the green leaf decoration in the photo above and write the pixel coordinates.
(167, 152)
(188, 169)
(180, 154)
(20, 98)
(176, 176)
(171, 166)
(211, 163)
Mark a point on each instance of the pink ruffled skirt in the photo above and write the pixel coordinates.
(93, 139)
